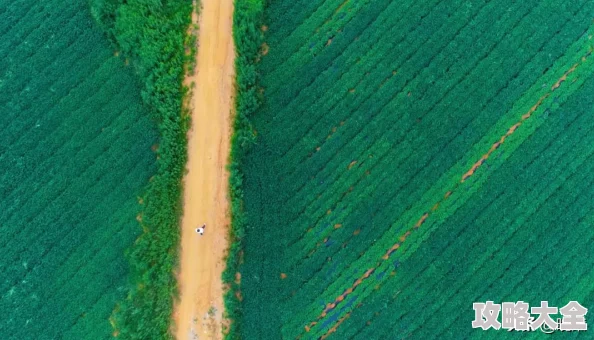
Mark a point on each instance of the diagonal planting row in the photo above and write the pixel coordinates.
(370, 188)
(75, 151)
(361, 141)
(320, 51)
(548, 153)
(62, 138)
(358, 69)
(570, 72)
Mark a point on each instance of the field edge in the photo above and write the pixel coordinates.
(248, 37)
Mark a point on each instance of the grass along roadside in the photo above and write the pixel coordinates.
(154, 39)
(248, 37)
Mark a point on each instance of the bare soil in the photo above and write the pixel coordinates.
(199, 311)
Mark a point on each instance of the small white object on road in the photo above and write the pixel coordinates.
(201, 230)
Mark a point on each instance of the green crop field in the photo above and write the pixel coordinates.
(75, 153)
(411, 158)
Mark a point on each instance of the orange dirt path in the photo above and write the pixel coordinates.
(199, 312)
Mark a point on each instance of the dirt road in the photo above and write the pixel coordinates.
(198, 314)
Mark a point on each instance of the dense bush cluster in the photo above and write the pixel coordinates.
(411, 154)
(75, 152)
(152, 35)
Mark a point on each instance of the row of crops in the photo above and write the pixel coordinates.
(75, 153)
(412, 158)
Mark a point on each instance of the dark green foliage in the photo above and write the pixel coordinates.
(75, 153)
(248, 37)
(372, 113)
(104, 12)
(152, 35)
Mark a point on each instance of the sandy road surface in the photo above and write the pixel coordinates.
(198, 314)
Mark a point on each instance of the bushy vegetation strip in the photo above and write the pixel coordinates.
(248, 36)
(152, 36)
